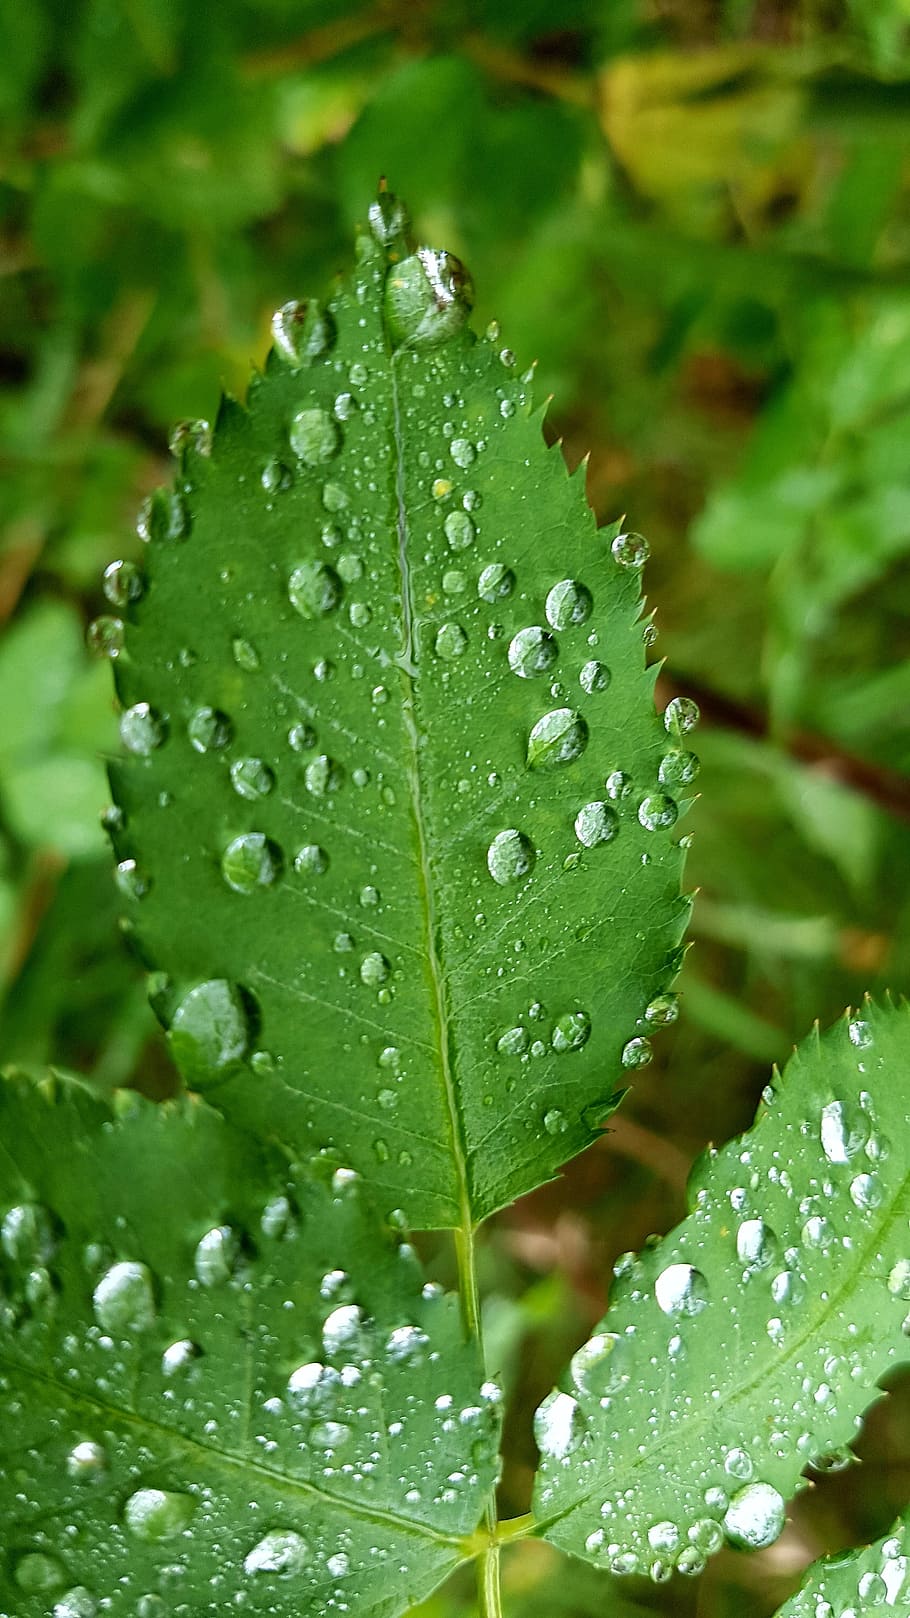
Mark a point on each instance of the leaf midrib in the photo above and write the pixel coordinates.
(899, 1209)
(246, 1465)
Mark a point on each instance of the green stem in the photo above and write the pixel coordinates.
(488, 1588)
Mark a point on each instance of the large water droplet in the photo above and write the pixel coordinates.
(636, 1053)
(215, 1256)
(314, 589)
(601, 1365)
(37, 1573)
(560, 737)
(86, 1461)
(124, 1299)
(559, 1426)
(281, 1552)
(427, 299)
(678, 769)
(250, 862)
(142, 729)
(314, 436)
(495, 583)
(301, 331)
(76, 1603)
(407, 1345)
(178, 1357)
(596, 823)
(27, 1233)
(571, 1031)
(163, 516)
(510, 856)
(210, 1031)
(594, 677)
(462, 452)
(209, 730)
(630, 550)
(155, 1514)
(662, 1010)
(681, 716)
(459, 530)
(845, 1130)
(323, 775)
(657, 812)
(532, 651)
(681, 1289)
(104, 637)
(343, 1329)
(311, 860)
(450, 642)
(122, 583)
(756, 1245)
(755, 1516)
(374, 969)
(567, 604)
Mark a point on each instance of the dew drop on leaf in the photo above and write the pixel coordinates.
(281, 1552)
(76, 1603)
(571, 1031)
(681, 716)
(156, 1514)
(510, 856)
(495, 583)
(532, 651)
(681, 1289)
(86, 1461)
(124, 1299)
(630, 550)
(596, 823)
(559, 737)
(314, 436)
(459, 530)
(599, 1367)
(559, 1426)
(122, 583)
(209, 730)
(104, 637)
(374, 969)
(250, 862)
(163, 517)
(568, 604)
(215, 1256)
(636, 1053)
(314, 589)
(594, 676)
(142, 729)
(428, 297)
(755, 1517)
(657, 812)
(210, 1030)
(450, 642)
(39, 1574)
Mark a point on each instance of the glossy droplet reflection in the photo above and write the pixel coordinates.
(314, 589)
(314, 436)
(596, 823)
(210, 1031)
(532, 651)
(568, 604)
(250, 862)
(510, 856)
(681, 1289)
(142, 729)
(156, 1514)
(281, 1552)
(755, 1516)
(560, 737)
(428, 297)
(124, 1299)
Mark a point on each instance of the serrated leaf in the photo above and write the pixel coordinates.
(365, 612)
(749, 1340)
(858, 1584)
(222, 1381)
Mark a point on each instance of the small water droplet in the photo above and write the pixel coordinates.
(301, 331)
(311, 860)
(845, 1129)
(86, 1461)
(459, 530)
(618, 785)
(555, 1122)
(755, 1516)
(122, 583)
(757, 1246)
(594, 677)
(156, 1514)
(163, 517)
(510, 856)
(281, 1552)
(601, 1365)
(252, 778)
(142, 729)
(178, 1357)
(323, 775)
(245, 654)
(681, 716)
(514, 1042)
(678, 769)
(374, 969)
(462, 452)
(104, 637)
(636, 1053)
(567, 604)
(559, 1426)
(250, 862)
(215, 1256)
(662, 1010)
(76, 1603)
(275, 477)
(495, 583)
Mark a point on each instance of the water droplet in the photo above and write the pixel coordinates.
(680, 1289)
(755, 1516)
(636, 1053)
(555, 1122)
(459, 530)
(244, 654)
(122, 583)
(104, 637)
(594, 677)
(311, 860)
(559, 1426)
(462, 452)
(681, 716)
(210, 1031)
(756, 1245)
(124, 1299)
(845, 1129)
(630, 550)
(162, 517)
(450, 642)
(215, 1256)
(155, 1514)
(374, 969)
(737, 1464)
(664, 1537)
(567, 604)
(178, 1357)
(662, 1010)
(251, 778)
(343, 1331)
(560, 737)
(275, 477)
(495, 583)
(866, 1191)
(142, 729)
(860, 1033)
(323, 775)
(27, 1233)
(314, 589)
(619, 785)
(510, 856)
(788, 1287)
(301, 331)
(571, 1031)
(208, 730)
(250, 861)
(388, 219)
(657, 812)
(706, 1534)
(596, 823)
(678, 769)
(514, 1042)
(76, 1603)
(407, 1345)
(427, 299)
(86, 1461)
(601, 1365)
(37, 1573)
(532, 651)
(281, 1552)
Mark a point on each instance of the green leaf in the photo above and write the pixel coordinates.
(393, 784)
(223, 1372)
(749, 1340)
(858, 1584)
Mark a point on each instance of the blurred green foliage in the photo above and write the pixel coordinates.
(696, 215)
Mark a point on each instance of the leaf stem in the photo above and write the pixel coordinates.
(488, 1586)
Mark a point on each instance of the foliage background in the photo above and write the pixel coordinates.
(695, 214)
